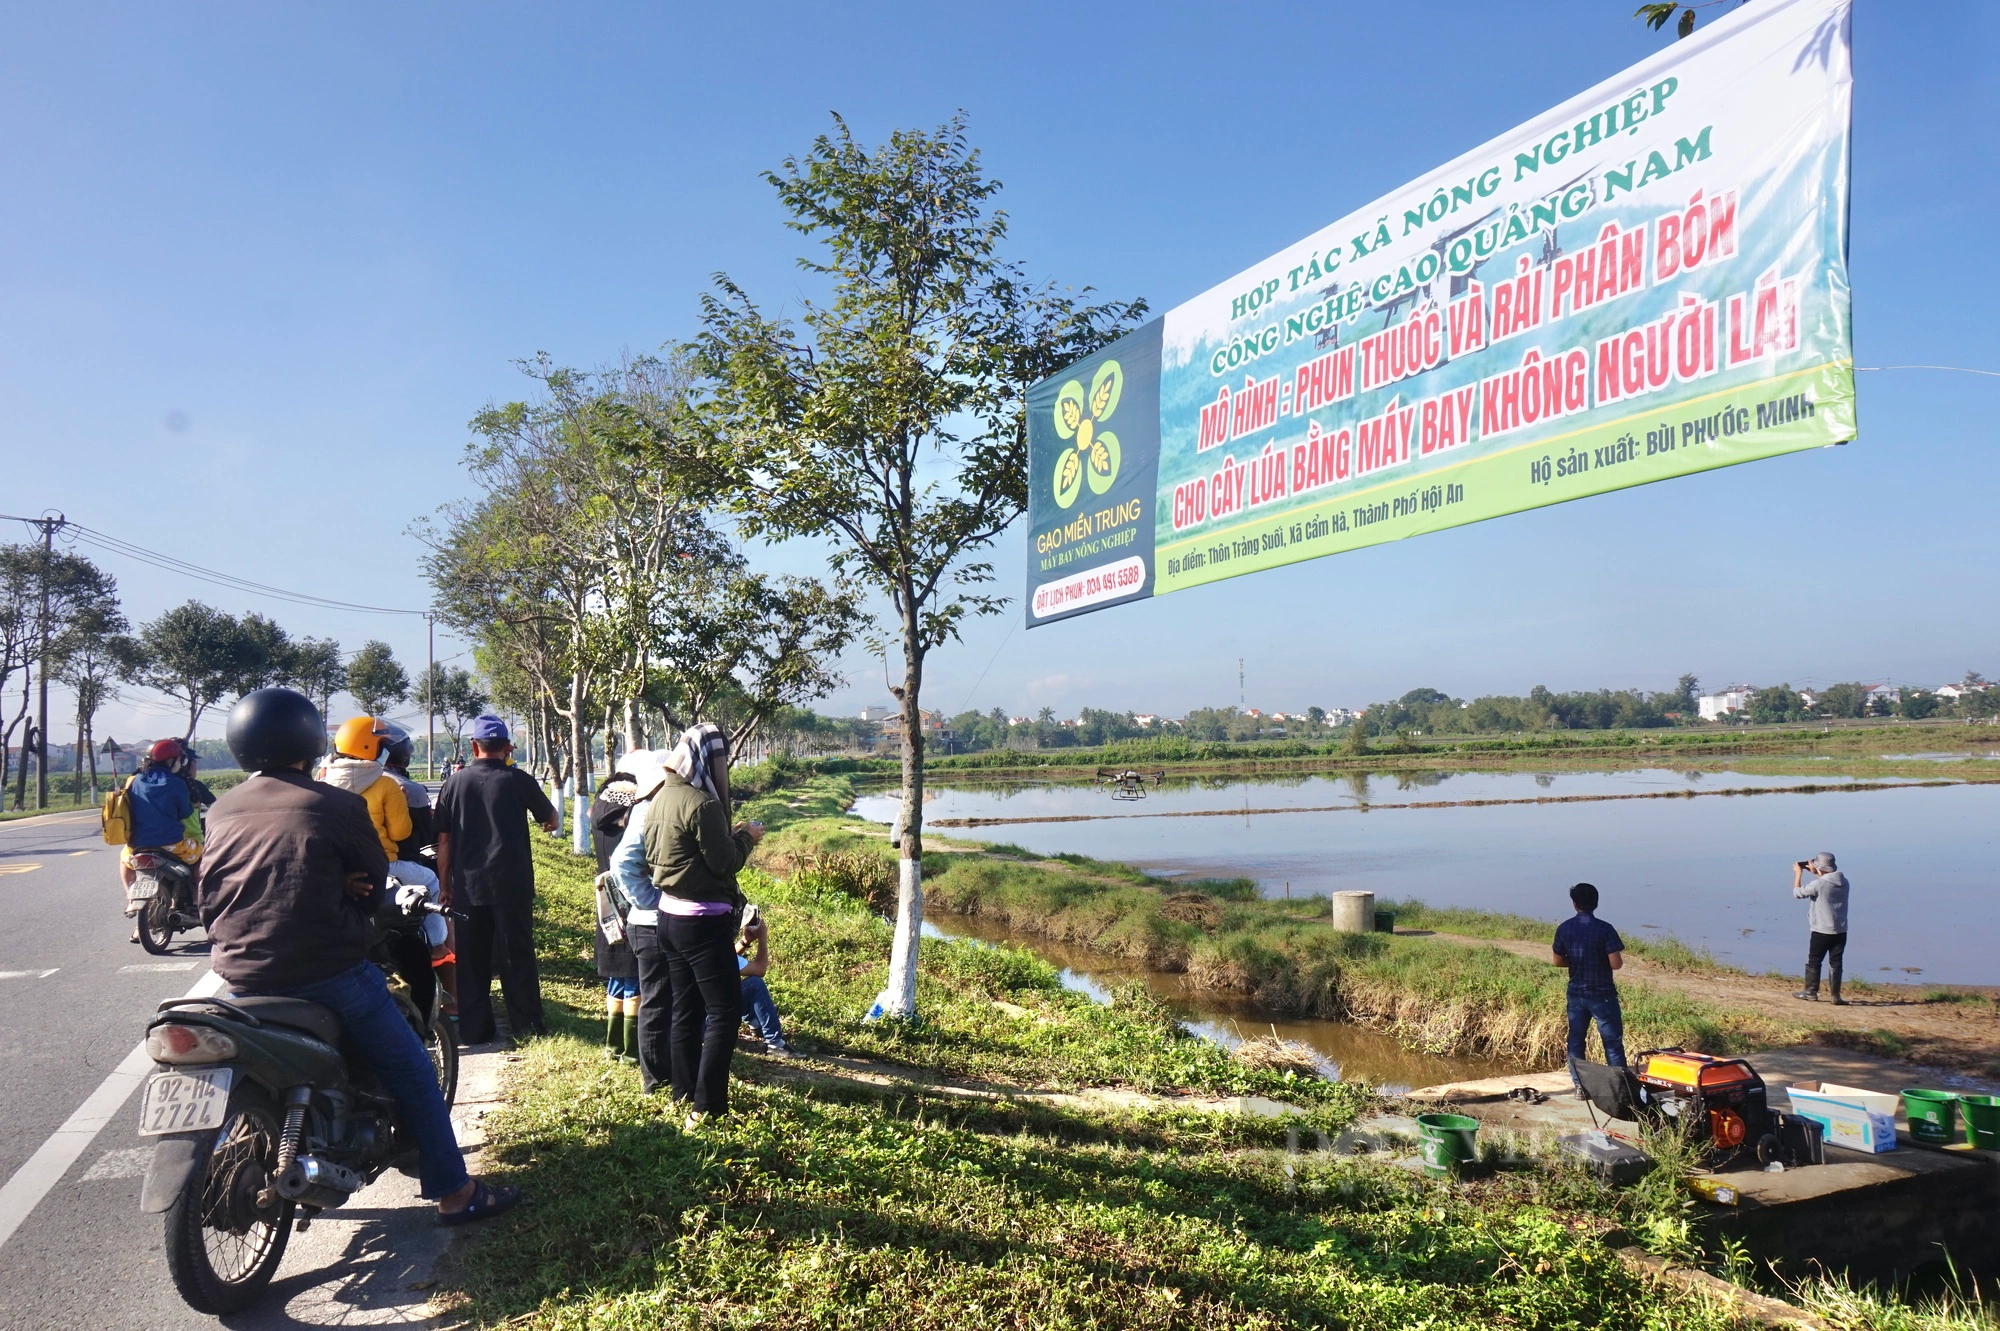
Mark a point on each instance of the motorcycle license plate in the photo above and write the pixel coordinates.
(143, 888)
(185, 1101)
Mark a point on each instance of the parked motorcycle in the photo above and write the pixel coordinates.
(262, 1123)
(161, 898)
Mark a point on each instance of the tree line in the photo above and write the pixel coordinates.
(195, 654)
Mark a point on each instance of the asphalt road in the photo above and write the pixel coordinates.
(74, 999)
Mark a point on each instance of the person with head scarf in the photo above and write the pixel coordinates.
(694, 854)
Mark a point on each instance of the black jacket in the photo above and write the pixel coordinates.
(273, 887)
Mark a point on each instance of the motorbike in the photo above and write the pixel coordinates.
(262, 1121)
(161, 898)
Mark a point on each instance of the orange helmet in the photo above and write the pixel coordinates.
(360, 737)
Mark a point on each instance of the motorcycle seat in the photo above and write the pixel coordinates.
(300, 1014)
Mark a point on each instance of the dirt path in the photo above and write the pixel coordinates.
(1957, 1035)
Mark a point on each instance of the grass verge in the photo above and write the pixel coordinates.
(828, 1203)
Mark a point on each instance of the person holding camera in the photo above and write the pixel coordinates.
(1820, 881)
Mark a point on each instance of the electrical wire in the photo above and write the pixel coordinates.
(173, 564)
(1956, 369)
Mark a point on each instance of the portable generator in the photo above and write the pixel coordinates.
(1720, 1099)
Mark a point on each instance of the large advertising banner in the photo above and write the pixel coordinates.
(1649, 280)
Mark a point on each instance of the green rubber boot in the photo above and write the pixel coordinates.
(615, 1035)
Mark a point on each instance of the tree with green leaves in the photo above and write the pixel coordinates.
(266, 653)
(455, 698)
(43, 592)
(193, 654)
(317, 668)
(893, 422)
(375, 678)
(93, 655)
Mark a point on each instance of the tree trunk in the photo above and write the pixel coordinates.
(90, 735)
(579, 742)
(76, 762)
(902, 990)
(635, 733)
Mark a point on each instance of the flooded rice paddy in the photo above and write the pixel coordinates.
(1714, 872)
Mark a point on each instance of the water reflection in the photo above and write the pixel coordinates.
(1353, 1052)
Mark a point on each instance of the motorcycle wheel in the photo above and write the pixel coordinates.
(442, 1043)
(221, 1250)
(156, 921)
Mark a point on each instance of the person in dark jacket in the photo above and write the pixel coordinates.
(293, 870)
(616, 965)
(694, 856)
(489, 873)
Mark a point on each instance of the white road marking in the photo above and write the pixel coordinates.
(29, 975)
(138, 966)
(120, 1164)
(52, 1159)
(19, 868)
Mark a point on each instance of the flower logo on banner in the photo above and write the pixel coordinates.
(1093, 456)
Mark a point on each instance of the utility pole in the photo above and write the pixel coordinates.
(49, 527)
(1242, 698)
(430, 696)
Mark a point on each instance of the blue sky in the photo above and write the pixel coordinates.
(259, 264)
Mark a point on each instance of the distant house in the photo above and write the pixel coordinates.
(1145, 719)
(1253, 712)
(1715, 706)
(877, 713)
(1885, 693)
(1956, 691)
(1020, 720)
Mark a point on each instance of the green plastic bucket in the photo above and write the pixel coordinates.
(1982, 1120)
(1448, 1141)
(1933, 1116)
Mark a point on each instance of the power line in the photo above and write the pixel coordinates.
(1956, 369)
(173, 564)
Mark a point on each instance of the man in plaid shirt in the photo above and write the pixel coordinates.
(1590, 950)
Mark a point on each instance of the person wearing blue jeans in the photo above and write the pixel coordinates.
(753, 961)
(371, 1019)
(1591, 950)
(292, 872)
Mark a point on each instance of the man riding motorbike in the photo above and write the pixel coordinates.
(293, 870)
(166, 802)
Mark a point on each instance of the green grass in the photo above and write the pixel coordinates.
(829, 1205)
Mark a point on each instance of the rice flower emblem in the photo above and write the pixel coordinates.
(1093, 454)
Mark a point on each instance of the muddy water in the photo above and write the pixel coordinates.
(1352, 1052)
(1714, 872)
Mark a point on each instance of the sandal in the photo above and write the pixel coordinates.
(487, 1202)
(1527, 1095)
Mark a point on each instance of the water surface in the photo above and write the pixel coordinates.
(1714, 871)
(1355, 1053)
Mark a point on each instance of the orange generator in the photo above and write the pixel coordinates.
(1721, 1099)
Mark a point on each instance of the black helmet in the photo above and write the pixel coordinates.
(273, 728)
(397, 745)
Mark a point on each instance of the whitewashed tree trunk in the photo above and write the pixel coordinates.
(902, 990)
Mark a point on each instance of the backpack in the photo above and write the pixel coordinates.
(116, 817)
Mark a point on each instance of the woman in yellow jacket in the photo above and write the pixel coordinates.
(356, 765)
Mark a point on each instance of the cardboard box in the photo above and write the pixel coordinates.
(1849, 1116)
